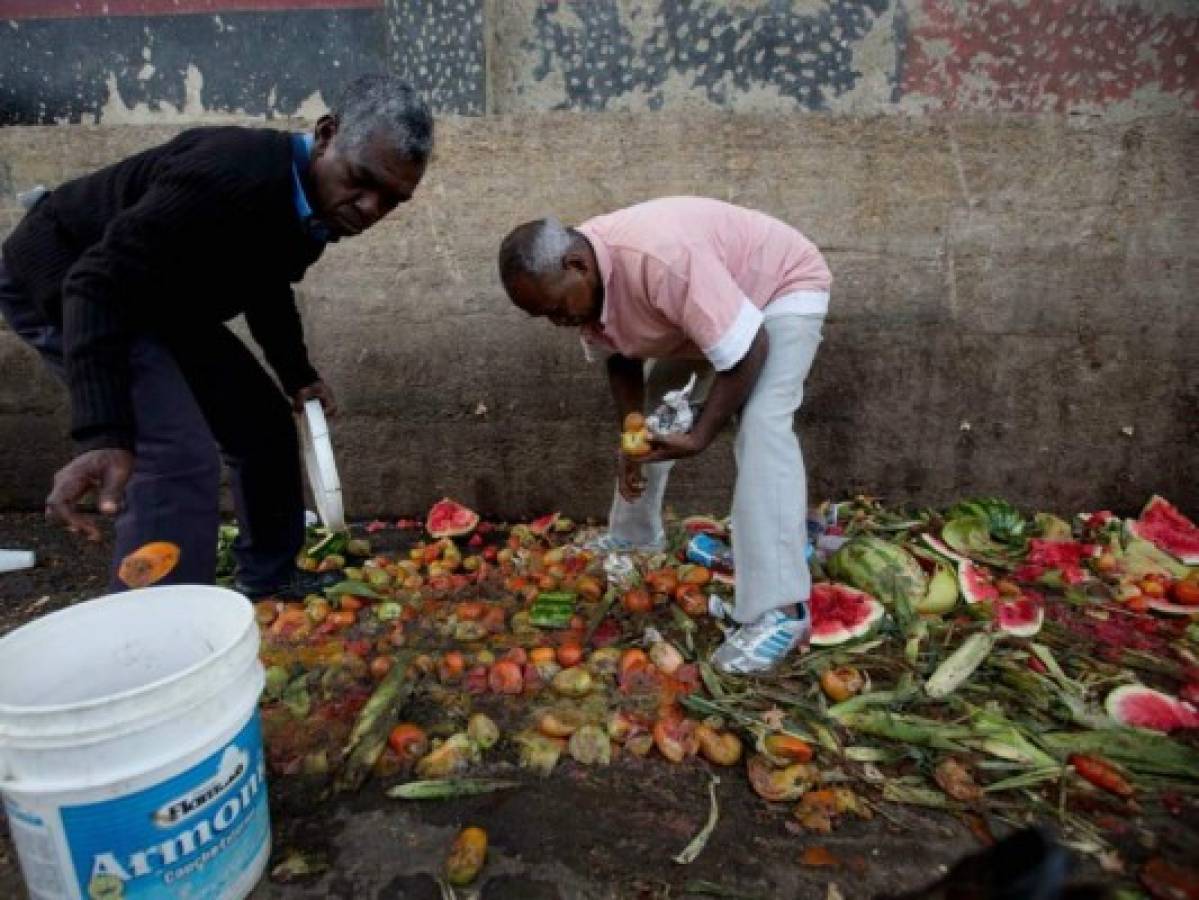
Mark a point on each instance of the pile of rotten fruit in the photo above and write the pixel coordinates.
(1003, 666)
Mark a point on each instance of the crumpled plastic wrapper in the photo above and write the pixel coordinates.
(621, 571)
(674, 415)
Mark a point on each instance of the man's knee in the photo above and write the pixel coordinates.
(181, 455)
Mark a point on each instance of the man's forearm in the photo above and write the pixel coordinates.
(276, 328)
(731, 389)
(627, 380)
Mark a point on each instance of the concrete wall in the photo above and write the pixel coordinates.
(1012, 238)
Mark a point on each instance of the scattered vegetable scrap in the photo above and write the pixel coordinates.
(1001, 666)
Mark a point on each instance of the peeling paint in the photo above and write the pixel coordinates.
(144, 69)
(116, 112)
(475, 57)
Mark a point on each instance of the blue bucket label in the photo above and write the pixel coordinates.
(194, 835)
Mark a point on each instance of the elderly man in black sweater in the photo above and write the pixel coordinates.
(123, 279)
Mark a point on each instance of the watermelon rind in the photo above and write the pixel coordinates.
(831, 637)
(448, 518)
(1187, 554)
(939, 546)
(1119, 706)
(942, 593)
(882, 569)
(1173, 609)
(1003, 521)
(1018, 629)
(1139, 558)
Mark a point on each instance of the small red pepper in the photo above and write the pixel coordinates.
(1101, 773)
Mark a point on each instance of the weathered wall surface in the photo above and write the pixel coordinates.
(1006, 190)
(1013, 310)
(114, 61)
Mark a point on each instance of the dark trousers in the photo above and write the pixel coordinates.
(194, 401)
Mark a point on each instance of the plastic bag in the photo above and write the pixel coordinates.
(674, 415)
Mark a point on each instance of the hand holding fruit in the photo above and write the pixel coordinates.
(638, 444)
(635, 437)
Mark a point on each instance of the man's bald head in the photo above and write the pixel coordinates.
(550, 270)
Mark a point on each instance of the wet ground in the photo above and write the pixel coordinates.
(582, 833)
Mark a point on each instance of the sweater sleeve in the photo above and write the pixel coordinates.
(275, 324)
(107, 295)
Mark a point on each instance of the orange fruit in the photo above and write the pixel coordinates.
(1186, 592)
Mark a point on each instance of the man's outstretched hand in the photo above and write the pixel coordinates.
(318, 390)
(105, 471)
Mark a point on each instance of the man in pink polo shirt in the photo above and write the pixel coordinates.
(686, 284)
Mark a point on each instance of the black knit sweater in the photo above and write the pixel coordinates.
(170, 242)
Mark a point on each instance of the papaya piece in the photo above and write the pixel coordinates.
(148, 564)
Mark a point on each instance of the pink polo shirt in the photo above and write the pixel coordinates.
(689, 276)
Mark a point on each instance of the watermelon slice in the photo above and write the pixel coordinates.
(1142, 707)
(841, 613)
(1163, 525)
(1021, 616)
(448, 518)
(1064, 557)
(704, 525)
(543, 525)
(975, 583)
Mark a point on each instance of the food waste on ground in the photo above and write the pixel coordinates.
(1000, 666)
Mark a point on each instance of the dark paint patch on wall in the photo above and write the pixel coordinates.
(257, 63)
(438, 46)
(725, 49)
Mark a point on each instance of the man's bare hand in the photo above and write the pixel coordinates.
(674, 446)
(105, 471)
(630, 478)
(318, 390)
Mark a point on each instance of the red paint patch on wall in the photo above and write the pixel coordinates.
(72, 9)
(1047, 55)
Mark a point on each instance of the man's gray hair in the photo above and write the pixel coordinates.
(535, 248)
(550, 242)
(381, 104)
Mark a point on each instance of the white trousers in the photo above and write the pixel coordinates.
(770, 500)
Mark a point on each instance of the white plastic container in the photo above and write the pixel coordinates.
(131, 759)
(321, 466)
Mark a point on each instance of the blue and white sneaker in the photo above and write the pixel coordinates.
(761, 645)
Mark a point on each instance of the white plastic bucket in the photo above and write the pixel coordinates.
(131, 761)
